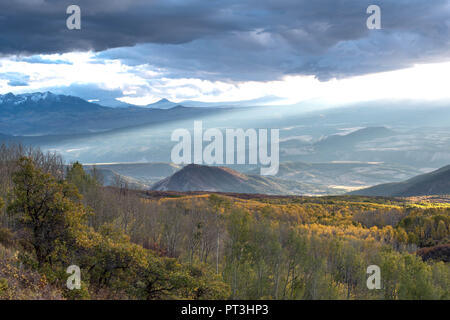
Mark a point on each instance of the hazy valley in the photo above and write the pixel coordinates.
(336, 150)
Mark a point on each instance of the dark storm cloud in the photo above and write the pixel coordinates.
(236, 40)
(39, 26)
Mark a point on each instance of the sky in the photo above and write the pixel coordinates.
(140, 51)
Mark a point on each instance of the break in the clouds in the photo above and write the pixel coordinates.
(228, 40)
(15, 79)
(111, 82)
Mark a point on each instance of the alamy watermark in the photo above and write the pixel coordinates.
(374, 20)
(236, 147)
(374, 280)
(73, 22)
(74, 280)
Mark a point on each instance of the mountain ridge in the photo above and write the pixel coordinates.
(434, 183)
(40, 114)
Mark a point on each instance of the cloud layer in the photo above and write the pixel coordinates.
(232, 40)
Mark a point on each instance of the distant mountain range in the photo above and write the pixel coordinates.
(167, 104)
(433, 183)
(402, 139)
(221, 179)
(46, 113)
(49, 114)
(345, 175)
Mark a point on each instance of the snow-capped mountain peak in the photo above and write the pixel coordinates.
(28, 97)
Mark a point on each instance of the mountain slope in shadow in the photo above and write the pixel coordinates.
(433, 183)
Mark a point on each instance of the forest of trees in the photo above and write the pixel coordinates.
(130, 245)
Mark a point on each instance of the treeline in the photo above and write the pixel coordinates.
(131, 246)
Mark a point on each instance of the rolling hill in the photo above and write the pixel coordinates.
(221, 179)
(109, 177)
(433, 183)
(145, 174)
(339, 142)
